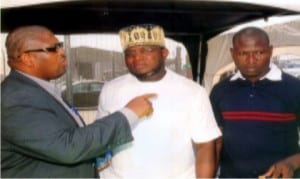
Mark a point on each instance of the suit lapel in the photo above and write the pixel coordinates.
(75, 117)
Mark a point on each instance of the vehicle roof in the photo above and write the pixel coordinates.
(192, 22)
(178, 17)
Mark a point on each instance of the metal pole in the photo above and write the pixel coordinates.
(198, 72)
(67, 43)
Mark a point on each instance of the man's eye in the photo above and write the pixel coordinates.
(259, 52)
(242, 53)
(147, 50)
(129, 53)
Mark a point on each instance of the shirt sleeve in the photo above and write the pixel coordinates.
(203, 124)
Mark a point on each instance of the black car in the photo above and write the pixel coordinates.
(85, 93)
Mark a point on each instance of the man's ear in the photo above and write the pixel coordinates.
(271, 50)
(232, 52)
(165, 53)
(26, 59)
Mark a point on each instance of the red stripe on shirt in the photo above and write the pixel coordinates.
(260, 116)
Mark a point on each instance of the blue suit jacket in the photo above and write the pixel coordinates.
(39, 138)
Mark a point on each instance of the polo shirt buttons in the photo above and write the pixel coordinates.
(255, 172)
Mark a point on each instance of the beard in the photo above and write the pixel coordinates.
(146, 76)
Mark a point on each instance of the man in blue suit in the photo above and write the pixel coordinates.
(40, 136)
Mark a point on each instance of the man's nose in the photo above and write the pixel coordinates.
(251, 57)
(138, 56)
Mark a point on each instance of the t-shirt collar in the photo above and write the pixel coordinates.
(273, 75)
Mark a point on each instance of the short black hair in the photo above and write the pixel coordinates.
(251, 31)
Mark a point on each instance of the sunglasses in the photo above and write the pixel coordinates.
(54, 48)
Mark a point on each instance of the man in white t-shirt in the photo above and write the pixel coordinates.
(179, 140)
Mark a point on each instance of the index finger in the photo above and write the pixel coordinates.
(268, 173)
(149, 95)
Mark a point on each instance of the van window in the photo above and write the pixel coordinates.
(289, 63)
(96, 58)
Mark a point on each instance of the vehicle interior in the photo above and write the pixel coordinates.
(189, 23)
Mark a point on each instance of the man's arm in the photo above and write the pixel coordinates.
(205, 159)
(284, 168)
(219, 143)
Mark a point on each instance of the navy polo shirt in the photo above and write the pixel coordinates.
(259, 123)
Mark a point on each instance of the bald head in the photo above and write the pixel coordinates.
(21, 38)
(252, 32)
(36, 51)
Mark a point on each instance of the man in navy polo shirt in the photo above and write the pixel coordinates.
(258, 110)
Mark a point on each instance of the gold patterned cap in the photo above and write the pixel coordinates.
(143, 34)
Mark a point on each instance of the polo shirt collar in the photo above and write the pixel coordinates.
(273, 75)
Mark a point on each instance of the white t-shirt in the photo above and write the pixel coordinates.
(162, 146)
